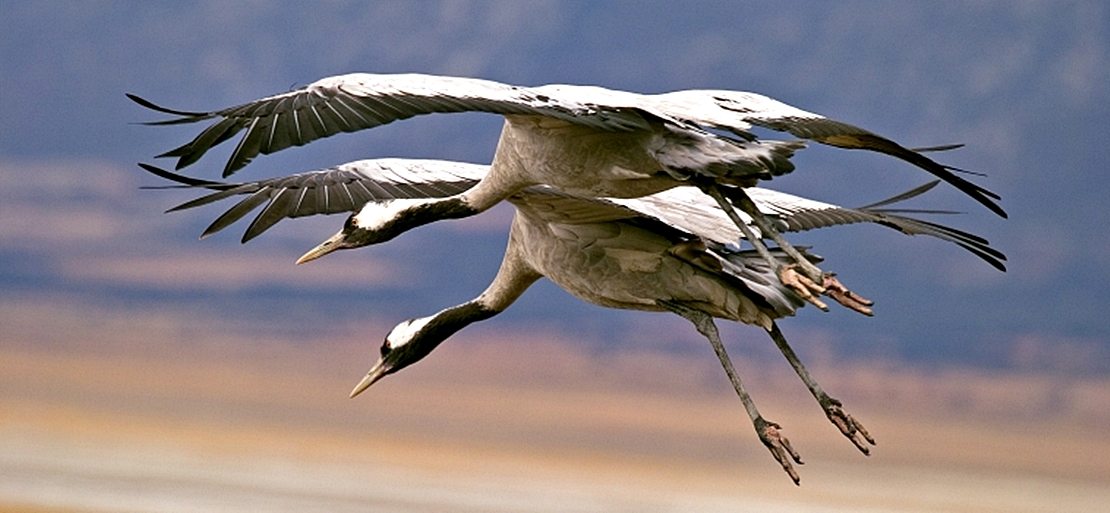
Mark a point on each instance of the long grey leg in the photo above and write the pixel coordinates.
(768, 432)
(748, 206)
(812, 280)
(805, 287)
(833, 408)
(757, 242)
(827, 281)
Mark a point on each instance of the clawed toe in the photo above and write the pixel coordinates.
(840, 293)
(848, 425)
(771, 436)
(803, 286)
(829, 286)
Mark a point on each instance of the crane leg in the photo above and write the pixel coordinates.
(811, 280)
(834, 410)
(769, 432)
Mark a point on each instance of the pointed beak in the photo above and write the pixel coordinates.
(376, 373)
(332, 244)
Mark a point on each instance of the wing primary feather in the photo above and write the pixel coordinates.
(373, 189)
(382, 109)
(216, 196)
(298, 132)
(322, 199)
(192, 151)
(245, 151)
(185, 180)
(330, 201)
(321, 126)
(343, 125)
(341, 101)
(930, 149)
(305, 202)
(238, 211)
(190, 117)
(350, 201)
(912, 193)
(880, 144)
(274, 211)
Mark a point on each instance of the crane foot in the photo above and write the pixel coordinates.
(841, 294)
(806, 288)
(771, 436)
(847, 425)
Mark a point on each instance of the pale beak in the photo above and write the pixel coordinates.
(332, 244)
(376, 373)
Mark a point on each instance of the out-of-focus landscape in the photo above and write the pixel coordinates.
(137, 415)
(144, 370)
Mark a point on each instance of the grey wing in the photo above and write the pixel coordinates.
(344, 188)
(800, 214)
(688, 209)
(554, 206)
(348, 103)
(737, 111)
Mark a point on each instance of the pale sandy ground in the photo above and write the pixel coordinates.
(157, 419)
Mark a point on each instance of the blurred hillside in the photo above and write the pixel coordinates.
(157, 413)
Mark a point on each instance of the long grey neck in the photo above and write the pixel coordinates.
(513, 278)
(508, 174)
(454, 207)
(437, 329)
(451, 320)
(515, 274)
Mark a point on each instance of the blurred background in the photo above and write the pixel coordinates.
(144, 370)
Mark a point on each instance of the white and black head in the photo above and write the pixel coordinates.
(380, 221)
(412, 340)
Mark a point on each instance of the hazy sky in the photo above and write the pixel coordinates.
(1022, 84)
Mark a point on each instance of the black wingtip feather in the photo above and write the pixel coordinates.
(179, 152)
(943, 147)
(877, 143)
(912, 193)
(182, 179)
(967, 172)
(978, 193)
(193, 116)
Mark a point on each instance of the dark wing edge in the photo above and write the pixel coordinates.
(843, 135)
(979, 246)
(772, 114)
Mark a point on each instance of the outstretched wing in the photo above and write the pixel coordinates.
(737, 111)
(344, 188)
(687, 209)
(348, 103)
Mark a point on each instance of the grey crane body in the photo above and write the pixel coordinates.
(626, 262)
(613, 258)
(618, 264)
(580, 160)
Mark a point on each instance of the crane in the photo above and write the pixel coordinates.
(665, 252)
(584, 140)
